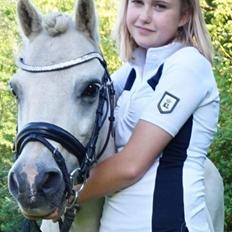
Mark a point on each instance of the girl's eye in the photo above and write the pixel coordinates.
(137, 2)
(91, 90)
(159, 6)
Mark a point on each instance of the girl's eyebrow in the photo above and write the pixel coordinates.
(165, 3)
(160, 1)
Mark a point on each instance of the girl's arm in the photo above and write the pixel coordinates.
(187, 81)
(128, 166)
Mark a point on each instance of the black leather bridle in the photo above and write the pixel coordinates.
(42, 132)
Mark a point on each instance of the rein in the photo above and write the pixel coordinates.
(42, 132)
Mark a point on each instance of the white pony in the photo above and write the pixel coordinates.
(58, 85)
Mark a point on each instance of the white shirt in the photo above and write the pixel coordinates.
(186, 92)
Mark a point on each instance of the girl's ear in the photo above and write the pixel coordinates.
(185, 17)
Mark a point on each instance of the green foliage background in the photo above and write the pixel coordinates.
(218, 15)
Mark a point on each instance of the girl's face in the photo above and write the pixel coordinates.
(154, 23)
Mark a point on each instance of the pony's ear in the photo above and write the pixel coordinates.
(29, 18)
(86, 19)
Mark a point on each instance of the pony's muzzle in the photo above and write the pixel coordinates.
(32, 191)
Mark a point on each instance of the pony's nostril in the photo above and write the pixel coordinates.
(50, 180)
(13, 184)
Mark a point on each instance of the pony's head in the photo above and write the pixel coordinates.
(58, 86)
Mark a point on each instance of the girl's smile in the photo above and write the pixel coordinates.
(144, 30)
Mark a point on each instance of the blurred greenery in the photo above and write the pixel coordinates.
(218, 15)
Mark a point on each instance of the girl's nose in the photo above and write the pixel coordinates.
(146, 14)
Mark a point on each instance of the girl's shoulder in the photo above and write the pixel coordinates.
(119, 78)
(189, 63)
(190, 58)
(126, 67)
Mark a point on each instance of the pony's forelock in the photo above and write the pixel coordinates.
(56, 23)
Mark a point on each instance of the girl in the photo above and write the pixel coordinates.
(166, 117)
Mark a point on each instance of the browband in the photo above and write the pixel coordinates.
(55, 67)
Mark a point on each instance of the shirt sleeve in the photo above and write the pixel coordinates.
(181, 90)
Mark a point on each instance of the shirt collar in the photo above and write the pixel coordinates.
(151, 59)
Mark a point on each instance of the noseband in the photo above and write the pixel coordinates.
(42, 132)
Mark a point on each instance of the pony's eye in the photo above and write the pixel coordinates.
(91, 90)
(12, 89)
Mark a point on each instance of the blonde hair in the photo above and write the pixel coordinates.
(193, 33)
